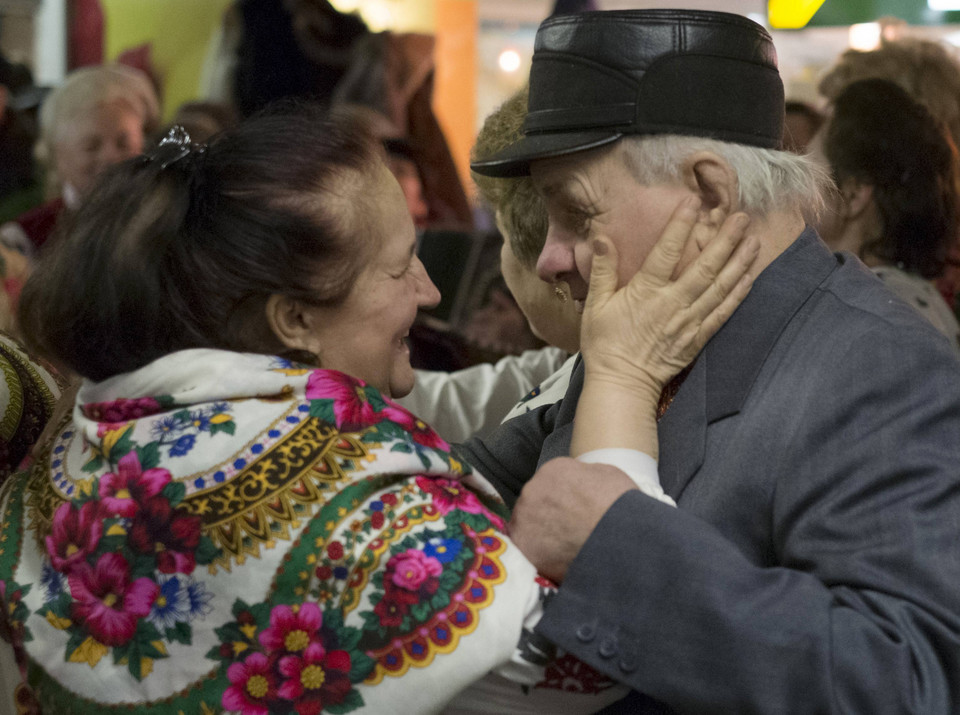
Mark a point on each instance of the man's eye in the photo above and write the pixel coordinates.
(404, 272)
(578, 221)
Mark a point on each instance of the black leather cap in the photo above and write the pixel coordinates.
(598, 76)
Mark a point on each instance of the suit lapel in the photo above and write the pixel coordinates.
(728, 366)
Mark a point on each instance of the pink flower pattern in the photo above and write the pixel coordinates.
(106, 602)
(74, 535)
(411, 568)
(252, 686)
(421, 432)
(169, 533)
(316, 679)
(122, 410)
(410, 577)
(449, 494)
(104, 542)
(122, 492)
(291, 632)
(352, 411)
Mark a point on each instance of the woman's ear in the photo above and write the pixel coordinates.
(294, 323)
(712, 178)
(857, 197)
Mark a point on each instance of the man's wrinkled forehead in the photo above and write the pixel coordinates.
(570, 178)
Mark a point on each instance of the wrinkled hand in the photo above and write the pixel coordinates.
(559, 508)
(644, 333)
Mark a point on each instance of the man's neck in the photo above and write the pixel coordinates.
(776, 231)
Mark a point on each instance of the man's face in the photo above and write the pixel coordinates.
(591, 194)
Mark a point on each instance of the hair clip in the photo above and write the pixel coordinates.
(173, 147)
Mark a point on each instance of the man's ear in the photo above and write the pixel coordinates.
(857, 197)
(294, 323)
(712, 178)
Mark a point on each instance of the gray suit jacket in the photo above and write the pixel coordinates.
(813, 564)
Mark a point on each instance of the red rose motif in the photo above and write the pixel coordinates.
(121, 410)
(106, 603)
(335, 550)
(123, 491)
(351, 409)
(390, 611)
(168, 533)
(411, 569)
(571, 674)
(315, 680)
(291, 632)
(252, 686)
(74, 535)
(449, 494)
(421, 432)
(410, 577)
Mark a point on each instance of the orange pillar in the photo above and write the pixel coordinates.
(455, 91)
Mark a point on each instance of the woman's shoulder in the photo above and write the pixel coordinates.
(338, 534)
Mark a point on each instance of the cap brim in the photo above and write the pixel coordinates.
(515, 160)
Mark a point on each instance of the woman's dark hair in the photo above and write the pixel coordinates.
(878, 135)
(181, 249)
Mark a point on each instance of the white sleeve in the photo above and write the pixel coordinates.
(639, 466)
(472, 402)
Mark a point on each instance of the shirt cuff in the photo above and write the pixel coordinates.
(639, 466)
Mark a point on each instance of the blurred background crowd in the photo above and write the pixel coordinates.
(87, 83)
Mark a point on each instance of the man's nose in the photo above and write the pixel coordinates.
(556, 260)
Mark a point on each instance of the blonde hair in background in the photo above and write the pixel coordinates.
(928, 71)
(89, 87)
(521, 209)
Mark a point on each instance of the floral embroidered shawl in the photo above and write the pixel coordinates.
(229, 532)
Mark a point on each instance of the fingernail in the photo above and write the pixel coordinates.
(599, 248)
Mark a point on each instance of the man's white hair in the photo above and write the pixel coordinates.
(769, 180)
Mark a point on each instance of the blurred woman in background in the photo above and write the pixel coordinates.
(897, 206)
(96, 118)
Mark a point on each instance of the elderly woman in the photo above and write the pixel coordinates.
(96, 118)
(897, 206)
(237, 516)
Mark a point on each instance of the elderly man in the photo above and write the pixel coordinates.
(813, 447)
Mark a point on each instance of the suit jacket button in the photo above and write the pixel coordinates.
(587, 632)
(628, 662)
(608, 647)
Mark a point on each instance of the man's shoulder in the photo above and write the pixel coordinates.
(855, 303)
(854, 336)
